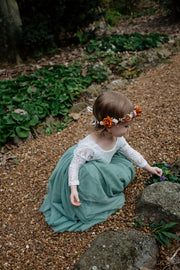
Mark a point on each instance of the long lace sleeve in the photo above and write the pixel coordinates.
(132, 154)
(81, 154)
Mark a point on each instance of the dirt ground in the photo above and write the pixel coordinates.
(27, 242)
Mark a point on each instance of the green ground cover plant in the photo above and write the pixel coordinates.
(167, 175)
(125, 54)
(113, 17)
(57, 127)
(160, 230)
(49, 91)
(126, 42)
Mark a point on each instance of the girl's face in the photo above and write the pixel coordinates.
(120, 129)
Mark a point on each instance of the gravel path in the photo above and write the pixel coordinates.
(27, 242)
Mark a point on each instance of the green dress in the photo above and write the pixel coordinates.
(100, 192)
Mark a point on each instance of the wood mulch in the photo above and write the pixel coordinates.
(27, 242)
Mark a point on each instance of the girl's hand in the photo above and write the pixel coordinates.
(157, 171)
(74, 197)
(153, 170)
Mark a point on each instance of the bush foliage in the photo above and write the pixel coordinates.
(172, 7)
(46, 24)
(127, 42)
(44, 20)
(124, 7)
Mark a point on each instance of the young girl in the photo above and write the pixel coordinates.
(87, 185)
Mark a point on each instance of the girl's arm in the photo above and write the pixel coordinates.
(137, 158)
(81, 155)
(74, 197)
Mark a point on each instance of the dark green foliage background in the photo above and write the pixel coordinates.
(172, 6)
(127, 42)
(44, 20)
(47, 24)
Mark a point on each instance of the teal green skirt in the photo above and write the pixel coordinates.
(100, 192)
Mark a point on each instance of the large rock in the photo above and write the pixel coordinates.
(78, 107)
(176, 168)
(160, 201)
(122, 250)
(94, 90)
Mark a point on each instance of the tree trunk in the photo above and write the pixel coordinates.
(10, 31)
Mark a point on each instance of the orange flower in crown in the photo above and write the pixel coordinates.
(108, 122)
(138, 111)
(127, 118)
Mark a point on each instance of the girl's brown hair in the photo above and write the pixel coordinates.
(112, 104)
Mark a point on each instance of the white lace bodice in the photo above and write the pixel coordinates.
(88, 149)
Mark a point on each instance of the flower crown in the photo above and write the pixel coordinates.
(109, 122)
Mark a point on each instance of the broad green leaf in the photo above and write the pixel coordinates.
(2, 111)
(8, 120)
(31, 90)
(3, 138)
(18, 98)
(22, 131)
(34, 121)
(18, 117)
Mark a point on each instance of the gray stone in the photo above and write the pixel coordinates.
(176, 168)
(40, 129)
(117, 84)
(177, 44)
(78, 107)
(50, 120)
(18, 141)
(160, 201)
(163, 52)
(94, 90)
(20, 111)
(122, 250)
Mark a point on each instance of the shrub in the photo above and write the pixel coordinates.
(45, 20)
(125, 7)
(112, 17)
(127, 42)
(172, 7)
